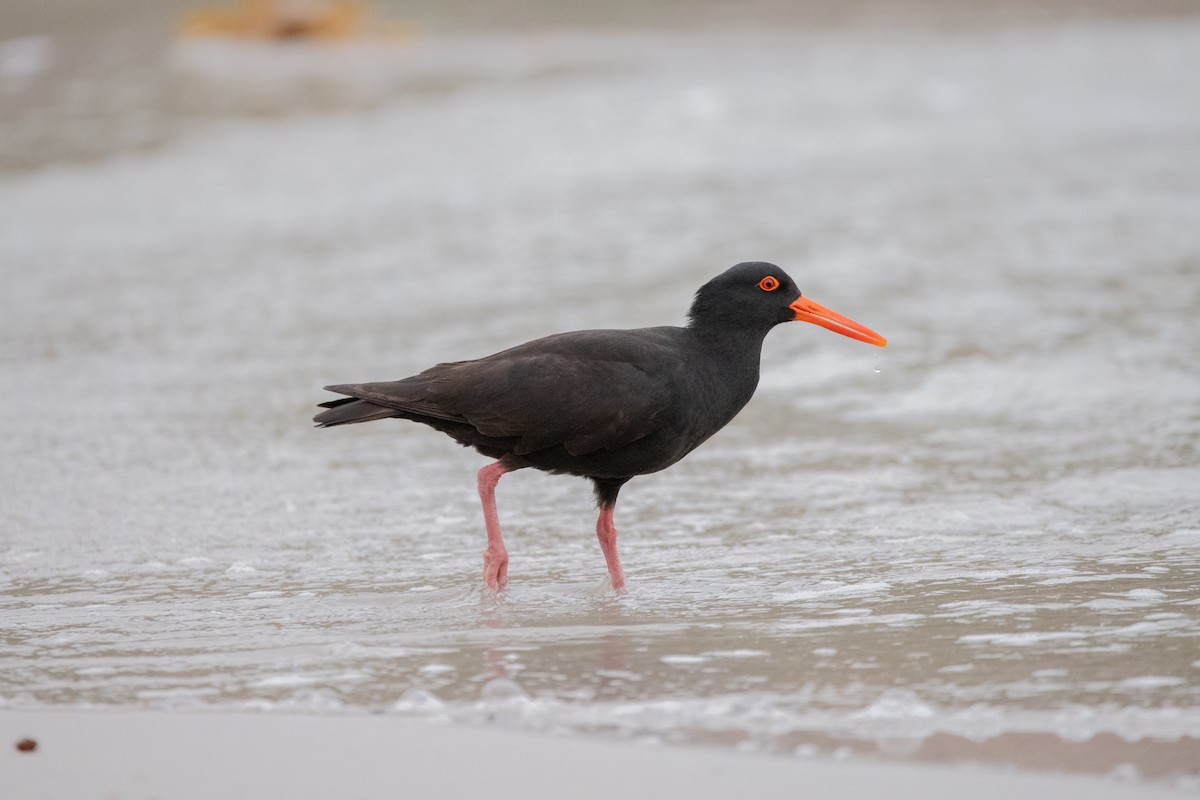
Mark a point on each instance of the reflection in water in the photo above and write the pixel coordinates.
(982, 547)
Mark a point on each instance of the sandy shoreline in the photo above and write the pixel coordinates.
(135, 754)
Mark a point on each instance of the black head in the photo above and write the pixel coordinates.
(753, 294)
(756, 296)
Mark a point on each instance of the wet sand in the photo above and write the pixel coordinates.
(143, 754)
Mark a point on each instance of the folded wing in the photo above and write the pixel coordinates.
(585, 391)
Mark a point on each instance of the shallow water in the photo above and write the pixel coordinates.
(980, 543)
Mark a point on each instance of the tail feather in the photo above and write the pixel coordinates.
(347, 410)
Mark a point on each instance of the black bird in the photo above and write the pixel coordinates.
(602, 404)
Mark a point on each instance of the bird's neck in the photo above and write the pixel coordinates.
(730, 342)
(735, 350)
(724, 372)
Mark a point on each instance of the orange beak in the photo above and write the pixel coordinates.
(808, 311)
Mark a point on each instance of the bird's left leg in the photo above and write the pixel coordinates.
(606, 532)
(495, 558)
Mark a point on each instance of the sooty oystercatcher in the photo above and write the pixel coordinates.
(602, 404)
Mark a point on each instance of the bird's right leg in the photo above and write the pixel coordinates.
(606, 532)
(495, 558)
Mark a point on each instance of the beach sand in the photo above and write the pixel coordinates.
(145, 754)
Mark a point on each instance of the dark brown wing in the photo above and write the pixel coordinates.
(586, 391)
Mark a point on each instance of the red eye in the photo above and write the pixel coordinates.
(769, 283)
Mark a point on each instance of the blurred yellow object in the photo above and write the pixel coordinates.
(281, 19)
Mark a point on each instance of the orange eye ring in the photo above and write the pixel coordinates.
(769, 283)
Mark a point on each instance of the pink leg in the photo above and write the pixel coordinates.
(606, 532)
(495, 558)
